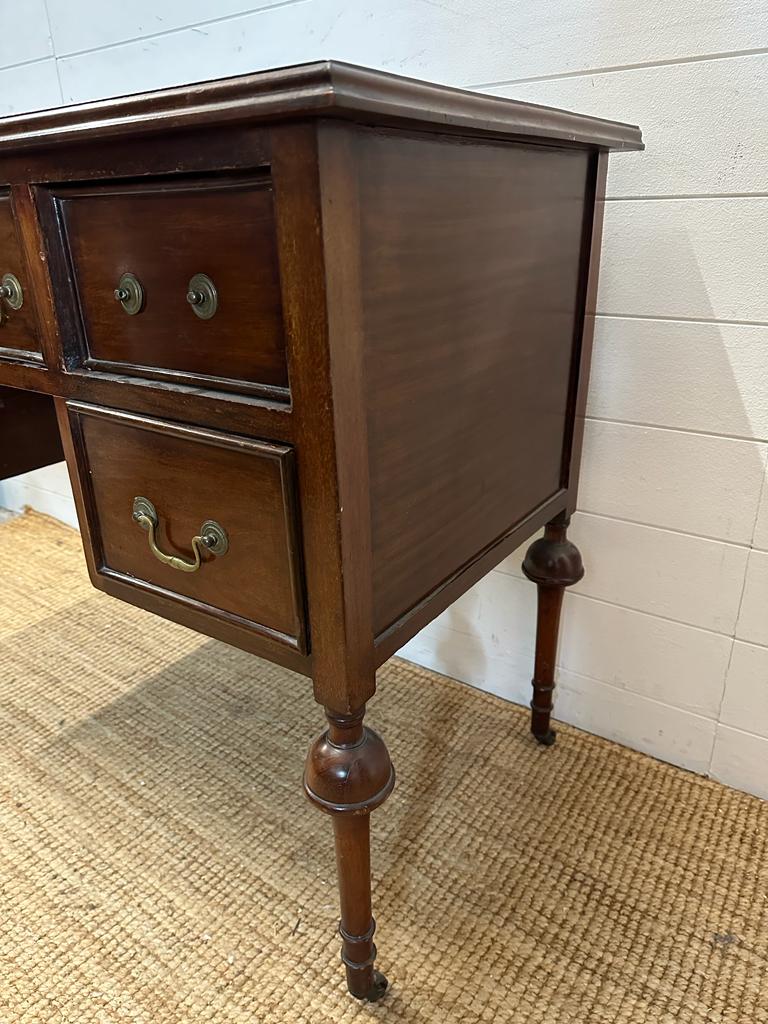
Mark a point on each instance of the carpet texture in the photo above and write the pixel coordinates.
(159, 864)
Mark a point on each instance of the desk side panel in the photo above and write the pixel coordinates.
(472, 268)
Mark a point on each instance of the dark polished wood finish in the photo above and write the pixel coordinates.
(553, 563)
(348, 775)
(18, 327)
(322, 89)
(453, 238)
(388, 401)
(167, 233)
(191, 476)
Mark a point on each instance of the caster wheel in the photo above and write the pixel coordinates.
(547, 739)
(378, 988)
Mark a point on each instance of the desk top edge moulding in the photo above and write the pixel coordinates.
(316, 344)
(317, 89)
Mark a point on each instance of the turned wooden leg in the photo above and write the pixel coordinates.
(349, 774)
(553, 563)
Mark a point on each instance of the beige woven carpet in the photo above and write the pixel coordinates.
(158, 862)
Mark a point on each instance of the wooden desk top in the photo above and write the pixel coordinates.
(321, 89)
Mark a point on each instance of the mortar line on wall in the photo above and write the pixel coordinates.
(735, 628)
(581, 595)
(763, 493)
(53, 49)
(631, 608)
(743, 732)
(482, 687)
(615, 68)
(181, 28)
(720, 703)
(682, 319)
(642, 611)
(28, 63)
(750, 643)
(686, 196)
(743, 545)
(624, 689)
(676, 430)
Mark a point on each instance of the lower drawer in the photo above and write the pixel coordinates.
(199, 518)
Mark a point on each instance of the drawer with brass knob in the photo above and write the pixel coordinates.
(175, 279)
(18, 326)
(190, 517)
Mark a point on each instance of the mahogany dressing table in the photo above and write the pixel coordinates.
(318, 343)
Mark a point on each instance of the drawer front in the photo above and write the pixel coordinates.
(164, 236)
(18, 325)
(192, 477)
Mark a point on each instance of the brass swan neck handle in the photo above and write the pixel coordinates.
(212, 538)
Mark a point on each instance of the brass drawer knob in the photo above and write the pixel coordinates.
(130, 294)
(202, 296)
(11, 291)
(212, 537)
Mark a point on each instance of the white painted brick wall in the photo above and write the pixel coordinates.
(665, 642)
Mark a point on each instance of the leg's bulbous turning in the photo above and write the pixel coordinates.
(348, 774)
(553, 560)
(348, 768)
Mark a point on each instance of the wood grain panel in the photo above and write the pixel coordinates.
(18, 327)
(164, 234)
(471, 261)
(192, 475)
